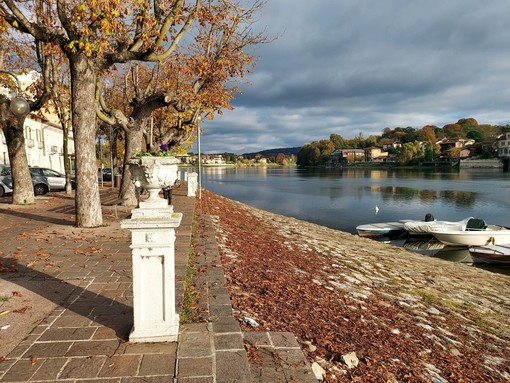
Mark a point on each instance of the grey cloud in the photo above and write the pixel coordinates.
(361, 65)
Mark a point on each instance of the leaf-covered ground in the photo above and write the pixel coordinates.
(407, 317)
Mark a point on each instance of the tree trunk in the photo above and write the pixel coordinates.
(83, 85)
(23, 189)
(134, 135)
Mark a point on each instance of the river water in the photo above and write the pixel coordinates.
(345, 198)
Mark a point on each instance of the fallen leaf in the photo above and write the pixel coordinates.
(33, 360)
(17, 294)
(22, 310)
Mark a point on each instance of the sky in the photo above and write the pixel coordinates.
(359, 66)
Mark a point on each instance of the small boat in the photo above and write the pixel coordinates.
(475, 233)
(382, 229)
(495, 254)
(426, 227)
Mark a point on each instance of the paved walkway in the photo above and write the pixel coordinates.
(219, 346)
(84, 276)
(66, 305)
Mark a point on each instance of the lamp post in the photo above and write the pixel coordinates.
(199, 164)
(112, 131)
(19, 106)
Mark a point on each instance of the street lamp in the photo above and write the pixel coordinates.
(19, 106)
(199, 164)
(112, 131)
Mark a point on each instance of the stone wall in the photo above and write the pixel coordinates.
(469, 163)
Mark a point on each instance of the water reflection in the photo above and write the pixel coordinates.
(431, 247)
(345, 198)
(454, 254)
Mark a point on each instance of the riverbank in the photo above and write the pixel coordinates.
(400, 316)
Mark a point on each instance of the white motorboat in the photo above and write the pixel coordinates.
(426, 227)
(494, 254)
(475, 233)
(382, 229)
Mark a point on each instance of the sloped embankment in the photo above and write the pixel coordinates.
(407, 317)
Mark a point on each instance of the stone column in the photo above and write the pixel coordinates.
(153, 236)
(192, 184)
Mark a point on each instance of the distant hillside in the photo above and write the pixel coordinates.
(274, 152)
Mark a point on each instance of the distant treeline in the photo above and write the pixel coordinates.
(318, 153)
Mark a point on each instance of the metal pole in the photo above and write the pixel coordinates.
(199, 165)
(101, 158)
(111, 154)
(15, 78)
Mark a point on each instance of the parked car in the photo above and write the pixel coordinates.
(106, 173)
(56, 180)
(40, 183)
(4, 189)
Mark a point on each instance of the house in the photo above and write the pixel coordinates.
(447, 144)
(343, 156)
(504, 145)
(43, 144)
(213, 159)
(392, 145)
(460, 143)
(375, 154)
(44, 138)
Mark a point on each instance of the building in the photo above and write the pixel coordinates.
(462, 144)
(43, 143)
(375, 154)
(504, 145)
(44, 138)
(347, 156)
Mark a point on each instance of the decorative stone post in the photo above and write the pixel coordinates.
(192, 184)
(152, 227)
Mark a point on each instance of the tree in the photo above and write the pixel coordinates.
(280, 158)
(429, 151)
(58, 86)
(427, 133)
(12, 125)
(193, 84)
(337, 140)
(408, 151)
(453, 130)
(95, 35)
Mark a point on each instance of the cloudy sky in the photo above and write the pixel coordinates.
(351, 66)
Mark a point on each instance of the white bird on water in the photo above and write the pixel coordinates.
(376, 209)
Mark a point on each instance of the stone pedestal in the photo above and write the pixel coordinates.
(192, 184)
(153, 253)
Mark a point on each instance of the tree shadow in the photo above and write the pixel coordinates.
(38, 217)
(115, 313)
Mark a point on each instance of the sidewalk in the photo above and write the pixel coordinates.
(73, 287)
(66, 305)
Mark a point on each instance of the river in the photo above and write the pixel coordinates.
(345, 198)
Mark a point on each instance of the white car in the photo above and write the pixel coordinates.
(56, 180)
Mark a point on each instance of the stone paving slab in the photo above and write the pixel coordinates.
(84, 335)
(214, 351)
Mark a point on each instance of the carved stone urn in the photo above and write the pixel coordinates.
(153, 173)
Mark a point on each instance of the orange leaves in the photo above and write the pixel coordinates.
(22, 310)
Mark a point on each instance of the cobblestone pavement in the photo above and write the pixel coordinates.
(66, 295)
(66, 305)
